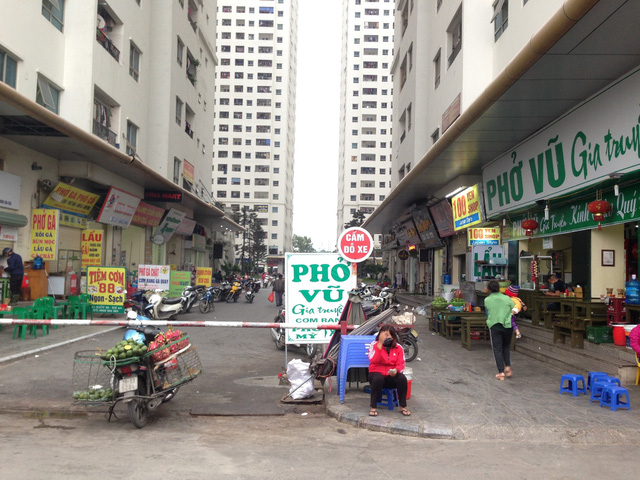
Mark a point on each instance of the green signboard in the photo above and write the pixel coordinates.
(573, 217)
(179, 280)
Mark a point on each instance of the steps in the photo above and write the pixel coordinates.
(537, 343)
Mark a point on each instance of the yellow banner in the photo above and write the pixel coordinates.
(203, 276)
(466, 208)
(92, 248)
(484, 236)
(107, 287)
(71, 199)
(44, 233)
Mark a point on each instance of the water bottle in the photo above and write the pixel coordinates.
(632, 291)
(37, 263)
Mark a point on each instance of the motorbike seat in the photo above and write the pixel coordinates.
(171, 301)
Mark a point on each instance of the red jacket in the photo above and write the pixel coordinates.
(634, 339)
(380, 361)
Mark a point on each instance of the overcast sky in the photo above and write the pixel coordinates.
(317, 122)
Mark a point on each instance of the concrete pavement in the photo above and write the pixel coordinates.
(454, 392)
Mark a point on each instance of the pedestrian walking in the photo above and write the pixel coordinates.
(499, 310)
(15, 268)
(399, 280)
(278, 288)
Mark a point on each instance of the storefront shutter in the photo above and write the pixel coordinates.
(459, 243)
(69, 238)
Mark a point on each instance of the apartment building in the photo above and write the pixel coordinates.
(366, 107)
(255, 100)
(134, 80)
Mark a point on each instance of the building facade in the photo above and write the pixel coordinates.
(255, 100)
(366, 108)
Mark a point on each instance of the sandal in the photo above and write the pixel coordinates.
(373, 413)
(405, 412)
(500, 376)
(508, 372)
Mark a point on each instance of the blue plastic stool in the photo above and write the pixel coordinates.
(572, 386)
(612, 397)
(609, 379)
(592, 378)
(389, 398)
(597, 387)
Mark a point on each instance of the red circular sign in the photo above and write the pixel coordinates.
(355, 244)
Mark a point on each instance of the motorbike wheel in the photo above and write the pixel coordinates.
(235, 298)
(138, 411)
(250, 299)
(311, 349)
(410, 348)
(204, 306)
(278, 333)
(229, 298)
(169, 396)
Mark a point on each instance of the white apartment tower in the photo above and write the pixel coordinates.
(255, 100)
(366, 107)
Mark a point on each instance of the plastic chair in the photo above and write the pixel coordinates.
(389, 398)
(599, 385)
(20, 313)
(39, 313)
(612, 396)
(79, 306)
(54, 311)
(572, 386)
(638, 370)
(87, 308)
(592, 377)
(354, 352)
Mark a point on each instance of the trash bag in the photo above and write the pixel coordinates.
(271, 297)
(300, 378)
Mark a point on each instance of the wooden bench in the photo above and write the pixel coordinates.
(469, 324)
(574, 329)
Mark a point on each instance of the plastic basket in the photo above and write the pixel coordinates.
(599, 334)
(181, 367)
(92, 380)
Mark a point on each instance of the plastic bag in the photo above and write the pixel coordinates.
(271, 297)
(299, 375)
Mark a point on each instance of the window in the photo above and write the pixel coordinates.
(132, 138)
(8, 69)
(454, 34)
(176, 170)
(179, 105)
(274, 209)
(134, 61)
(180, 51)
(52, 11)
(47, 95)
(436, 69)
(500, 17)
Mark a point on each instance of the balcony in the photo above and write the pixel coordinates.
(108, 45)
(187, 129)
(104, 133)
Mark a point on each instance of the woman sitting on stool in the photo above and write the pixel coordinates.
(386, 364)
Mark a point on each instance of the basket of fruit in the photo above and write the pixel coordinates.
(91, 381)
(175, 359)
(124, 352)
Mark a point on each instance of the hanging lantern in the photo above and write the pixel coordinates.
(599, 208)
(529, 225)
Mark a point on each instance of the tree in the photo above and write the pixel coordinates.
(303, 244)
(252, 250)
(357, 220)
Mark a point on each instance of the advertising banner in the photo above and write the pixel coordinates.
(179, 280)
(187, 171)
(147, 215)
(44, 233)
(203, 276)
(74, 221)
(174, 196)
(91, 248)
(443, 218)
(316, 293)
(153, 277)
(71, 199)
(9, 233)
(107, 287)
(484, 236)
(186, 227)
(10, 186)
(582, 148)
(466, 208)
(118, 208)
(168, 226)
(426, 228)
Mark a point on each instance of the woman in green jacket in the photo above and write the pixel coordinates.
(499, 307)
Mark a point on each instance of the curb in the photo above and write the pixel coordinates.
(17, 356)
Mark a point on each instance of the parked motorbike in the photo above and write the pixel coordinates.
(192, 296)
(278, 335)
(160, 308)
(234, 292)
(209, 296)
(248, 292)
(223, 292)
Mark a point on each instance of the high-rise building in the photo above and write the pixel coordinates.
(255, 100)
(366, 107)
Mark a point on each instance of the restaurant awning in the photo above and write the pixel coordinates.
(584, 47)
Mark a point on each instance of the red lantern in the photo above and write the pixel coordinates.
(529, 225)
(599, 208)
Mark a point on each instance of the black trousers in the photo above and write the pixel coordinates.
(501, 344)
(15, 283)
(379, 381)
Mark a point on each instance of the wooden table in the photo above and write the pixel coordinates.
(450, 324)
(469, 324)
(433, 319)
(631, 318)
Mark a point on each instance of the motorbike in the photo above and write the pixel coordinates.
(409, 340)
(255, 286)
(209, 296)
(146, 382)
(192, 295)
(234, 292)
(223, 292)
(160, 308)
(248, 292)
(279, 337)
